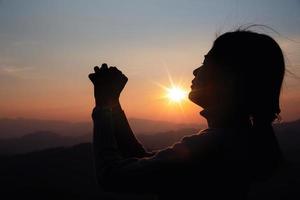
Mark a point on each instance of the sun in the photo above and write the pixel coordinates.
(176, 94)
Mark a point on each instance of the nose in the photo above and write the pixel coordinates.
(195, 72)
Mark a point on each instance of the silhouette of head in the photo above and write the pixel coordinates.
(242, 74)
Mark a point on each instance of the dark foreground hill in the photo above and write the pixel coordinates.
(59, 173)
(68, 173)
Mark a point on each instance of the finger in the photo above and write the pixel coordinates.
(104, 66)
(92, 77)
(114, 69)
(125, 78)
(96, 69)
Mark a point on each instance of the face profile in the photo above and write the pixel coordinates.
(205, 84)
(243, 72)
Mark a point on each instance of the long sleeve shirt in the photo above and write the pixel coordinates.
(214, 163)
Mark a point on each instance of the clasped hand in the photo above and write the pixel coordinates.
(108, 85)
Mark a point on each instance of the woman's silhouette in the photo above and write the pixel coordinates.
(238, 86)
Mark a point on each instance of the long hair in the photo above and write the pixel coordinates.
(258, 63)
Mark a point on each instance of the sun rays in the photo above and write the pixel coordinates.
(173, 93)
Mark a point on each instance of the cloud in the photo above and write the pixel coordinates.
(14, 69)
(15, 72)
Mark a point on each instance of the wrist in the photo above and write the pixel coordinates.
(108, 104)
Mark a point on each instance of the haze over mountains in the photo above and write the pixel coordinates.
(20, 136)
(26, 135)
(18, 127)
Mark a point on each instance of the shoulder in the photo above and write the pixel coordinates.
(200, 143)
(203, 136)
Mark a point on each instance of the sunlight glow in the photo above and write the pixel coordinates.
(176, 94)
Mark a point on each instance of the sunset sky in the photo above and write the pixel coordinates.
(48, 48)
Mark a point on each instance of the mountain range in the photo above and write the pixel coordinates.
(18, 127)
(163, 134)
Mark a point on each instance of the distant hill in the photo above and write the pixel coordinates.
(288, 135)
(37, 141)
(18, 127)
(12, 128)
(45, 139)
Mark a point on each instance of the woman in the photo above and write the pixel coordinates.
(238, 86)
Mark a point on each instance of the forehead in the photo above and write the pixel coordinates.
(215, 56)
(208, 57)
(209, 54)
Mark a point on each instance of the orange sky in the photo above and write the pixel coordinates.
(48, 49)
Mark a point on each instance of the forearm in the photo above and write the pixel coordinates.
(127, 142)
(104, 142)
(109, 162)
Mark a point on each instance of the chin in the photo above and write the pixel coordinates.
(193, 97)
(197, 99)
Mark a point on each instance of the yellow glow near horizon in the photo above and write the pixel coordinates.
(176, 94)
